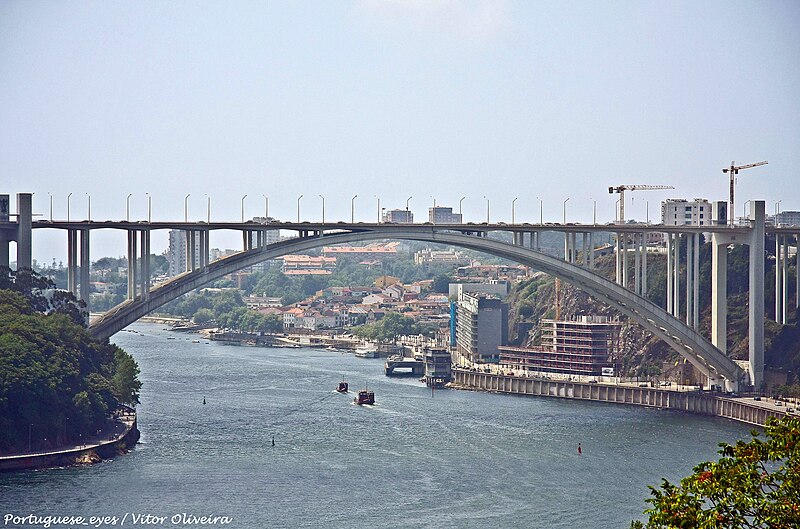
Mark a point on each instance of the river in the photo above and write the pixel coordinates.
(455, 459)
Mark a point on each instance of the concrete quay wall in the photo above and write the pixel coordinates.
(692, 402)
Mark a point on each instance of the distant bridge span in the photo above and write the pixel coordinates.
(682, 338)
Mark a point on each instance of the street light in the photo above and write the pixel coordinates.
(407, 201)
(51, 206)
(298, 208)
(244, 197)
(353, 209)
(149, 207)
(379, 207)
(487, 209)
(90, 206)
(208, 208)
(128, 207)
(186, 207)
(594, 211)
(744, 209)
(266, 207)
(434, 200)
(565, 209)
(513, 204)
(459, 204)
(68, 197)
(323, 208)
(541, 211)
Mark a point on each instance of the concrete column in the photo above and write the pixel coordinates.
(719, 291)
(191, 255)
(670, 304)
(797, 271)
(585, 248)
(689, 277)
(625, 260)
(785, 278)
(591, 250)
(756, 297)
(72, 261)
(778, 277)
(5, 238)
(144, 280)
(566, 246)
(84, 286)
(24, 230)
(644, 264)
(132, 258)
(637, 263)
(696, 283)
(574, 247)
(618, 259)
(676, 277)
(205, 250)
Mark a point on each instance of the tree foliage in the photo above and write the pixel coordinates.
(56, 381)
(754, 484)
(388, 328)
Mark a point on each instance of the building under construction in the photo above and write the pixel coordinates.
(586, 345)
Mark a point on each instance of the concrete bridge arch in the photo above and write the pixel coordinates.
(682, 338)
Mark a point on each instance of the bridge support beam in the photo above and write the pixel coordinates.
(643, 292)
(778, 277)
(756, 295)
(719, 291)
(84, 278)
(132, 251)
(689, 277)
(24, 230)
(696, 283)
(72, 261)
(144, 280)
(625, 260)
(5, 238)
(591, 250)
(797, 271)
(637, 264)
(669, 239)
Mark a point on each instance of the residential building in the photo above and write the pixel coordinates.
(481, 327)
(587, 345)
(788, 218)
(496, 287)
(176, 252)
(372, 251)
(440, 257)
(307, 265)
(681, 212)
(443, 215)
(398, 216)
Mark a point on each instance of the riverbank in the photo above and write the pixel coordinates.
(737, 409)
(89, 453)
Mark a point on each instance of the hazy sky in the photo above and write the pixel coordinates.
(422, 98)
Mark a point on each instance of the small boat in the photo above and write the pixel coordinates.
(365, 397)
(368, 350)
(342, 387)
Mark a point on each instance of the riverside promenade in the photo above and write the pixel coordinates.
(704, 403)
(124, 437)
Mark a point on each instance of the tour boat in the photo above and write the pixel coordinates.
(365, 397)
(342, 387)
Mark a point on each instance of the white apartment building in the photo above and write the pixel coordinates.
(681, 212)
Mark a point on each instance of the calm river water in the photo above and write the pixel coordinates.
(458, 459)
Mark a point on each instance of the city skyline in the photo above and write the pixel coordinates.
(393, 99)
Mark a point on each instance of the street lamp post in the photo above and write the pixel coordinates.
(51, 206)
(244, 197)
(323, 208)
(434, 200)
(565, 209)
(186, 207)
(353, 209)
(541, 211)
(744, 209)
(594, 211)
(298, 208)
(407, 201)
(647, 211)
(266, 207)
(513, 205)
(459, 204)
(208, 208)
(89, 197)
(149, 207)
(68, 197)
(487, 209)
(379, 207)
(128, 207)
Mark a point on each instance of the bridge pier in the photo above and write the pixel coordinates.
(637, 263)
(132, 255)
(719, 290)
(24, 231)
(84, 277)
(644, 265)
(144, 286)
(756, 294)
(72, 261)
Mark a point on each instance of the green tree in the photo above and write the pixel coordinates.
(203, 316)
(754, 484)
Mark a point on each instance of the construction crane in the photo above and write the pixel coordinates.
(734, 170)
(621, 190)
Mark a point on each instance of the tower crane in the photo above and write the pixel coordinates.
(734, 170)
(621, 190)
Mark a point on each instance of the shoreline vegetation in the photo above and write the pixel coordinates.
(60, 388)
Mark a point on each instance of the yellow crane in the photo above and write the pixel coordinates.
(637, 187)
(734, 170)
